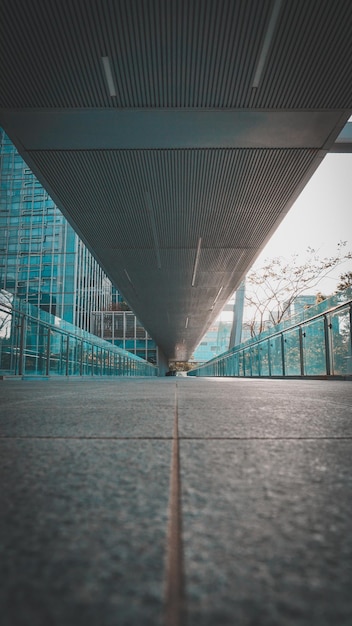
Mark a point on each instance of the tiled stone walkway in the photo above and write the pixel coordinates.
(260, 536)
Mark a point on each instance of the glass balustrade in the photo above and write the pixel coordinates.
(316, 343)
(35, 343)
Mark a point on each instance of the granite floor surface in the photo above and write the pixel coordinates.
(265, 476)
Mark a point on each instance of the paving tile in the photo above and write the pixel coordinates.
(267, 536)
(265, 408)
(87, 408)
(266, 501)
(83, 532)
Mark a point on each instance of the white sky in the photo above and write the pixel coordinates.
(320, 217)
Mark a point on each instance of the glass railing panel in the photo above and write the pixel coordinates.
(263, 359)
(35, 348)
(57, 349)
(314, 352)
(255, 368)
(241, 363)
(74, 357)
(292, 353)
(229, 367)
(109, 360)
(7, 337)
(86, 358)
(247, 364)
(96, 360)
(33, 342)
(340, 342)
(235, 361)
(297, 347)
(275, 356)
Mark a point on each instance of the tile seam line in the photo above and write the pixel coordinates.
(342, 438)
(180, 438)
(174, 606)
(39, 437)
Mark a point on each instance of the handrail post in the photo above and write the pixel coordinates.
(269, 357)
(47, 365)
(283, 355)
(301, 350)
(81, 358)
(67, 354)
(327, 346)
(22, 344)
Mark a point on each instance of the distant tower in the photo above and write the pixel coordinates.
(236, 331)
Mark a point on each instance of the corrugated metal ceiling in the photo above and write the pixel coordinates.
(145, 210)
(175, 53)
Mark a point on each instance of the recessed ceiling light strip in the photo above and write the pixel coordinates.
(218, 295)
(128, 276)
(109, 76)
(266, 43)
(196, 261)
(154, 231)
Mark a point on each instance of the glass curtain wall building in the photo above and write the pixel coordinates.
(42, 259)
(122, 329)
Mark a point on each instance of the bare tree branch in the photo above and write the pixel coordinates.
(274, 287)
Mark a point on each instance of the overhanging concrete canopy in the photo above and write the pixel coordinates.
(221, 112)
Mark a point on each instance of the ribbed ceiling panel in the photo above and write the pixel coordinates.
(175, 53)
(307, 62)
(193, 193)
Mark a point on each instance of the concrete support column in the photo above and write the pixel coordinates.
(163, 363)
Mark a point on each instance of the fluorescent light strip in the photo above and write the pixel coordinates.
(266, 43)
(109, 76)
(218, 295)
(155, 234)
(128, 276)
(196, 261)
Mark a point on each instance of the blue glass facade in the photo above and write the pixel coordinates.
(42, 259)
(44, 262)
